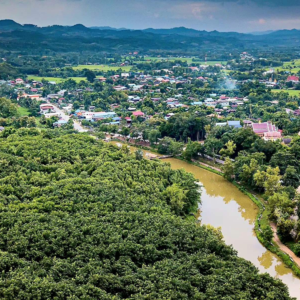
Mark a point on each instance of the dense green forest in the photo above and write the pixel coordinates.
(81, 219)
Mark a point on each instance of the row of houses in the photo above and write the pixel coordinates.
(99, 116)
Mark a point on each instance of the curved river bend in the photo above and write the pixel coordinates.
(223, 205)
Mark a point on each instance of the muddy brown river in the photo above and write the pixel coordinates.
(223, 205)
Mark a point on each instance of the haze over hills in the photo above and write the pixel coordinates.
(81, 38)
(10, 25)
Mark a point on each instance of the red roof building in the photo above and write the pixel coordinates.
(266, 130)
(272, 136)
(138, 114)
(293, 78)
(128, 120)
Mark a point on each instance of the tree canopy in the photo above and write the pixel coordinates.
(81, 219)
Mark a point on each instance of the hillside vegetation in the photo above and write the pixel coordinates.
(6, 70)
(80, 219)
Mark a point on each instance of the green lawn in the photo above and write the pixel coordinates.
(103, 68)
(22, 111)
(291, 92)
(56, 79)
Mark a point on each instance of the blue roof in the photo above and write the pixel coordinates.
(61, 122)
(105, 113)
(197, 103)
(235, 124)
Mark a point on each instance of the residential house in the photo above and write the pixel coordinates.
(53, 96)
(211, 104)
(134, 98)
(169, 115)
(126, 75)
(194, 69)
(60, 123)
(128, 120)
(221, 124)
(46, 108)
(138, 114)
(209, 100)
(235, 124)
(62, 92)
(19, 81)
(223, 103)
(197, 103)
(103, 115)
(247, 124)
(50, 115)
(36, 97)
(292, 78)
(120, 88)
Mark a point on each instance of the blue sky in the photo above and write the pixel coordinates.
(222, 15)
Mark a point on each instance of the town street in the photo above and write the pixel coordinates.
(64, 116)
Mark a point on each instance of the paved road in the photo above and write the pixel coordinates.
(64, 116)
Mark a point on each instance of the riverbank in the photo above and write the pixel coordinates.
(278, 248)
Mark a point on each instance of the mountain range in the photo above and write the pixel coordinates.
(81, 38)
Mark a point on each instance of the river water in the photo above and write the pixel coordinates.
(223, 205)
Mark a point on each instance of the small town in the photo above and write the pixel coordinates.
(150, 149)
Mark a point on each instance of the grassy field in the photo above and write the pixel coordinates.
(22, 111)
(188, 60)
(103, 68)
(291, 92)
(56, 79)
(293, 70)
(295, 66)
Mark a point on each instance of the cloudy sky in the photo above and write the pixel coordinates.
(222, 15)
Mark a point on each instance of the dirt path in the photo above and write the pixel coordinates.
(284, 248)
(205, 165)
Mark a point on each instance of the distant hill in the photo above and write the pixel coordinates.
(57, 38)
(261, 32)
(193, 32)
(286, 33)
(8, 25)
(177, 30)
(107, 28)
